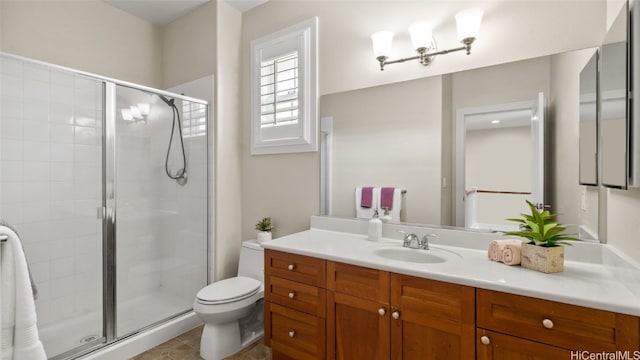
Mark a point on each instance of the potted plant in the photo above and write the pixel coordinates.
(264, 228)
(544, 251)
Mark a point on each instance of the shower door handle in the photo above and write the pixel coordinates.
(101, 212)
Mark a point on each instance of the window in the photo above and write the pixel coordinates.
(194, 119)
(284, 90)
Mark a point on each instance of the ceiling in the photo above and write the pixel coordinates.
(162, 12)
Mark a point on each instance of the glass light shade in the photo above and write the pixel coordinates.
(468, 23)
(126, 115)
(421, 35)
(382, 41)
(135, 112)
(144, 109)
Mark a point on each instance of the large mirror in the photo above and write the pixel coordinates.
(407, 135)
(589, 122)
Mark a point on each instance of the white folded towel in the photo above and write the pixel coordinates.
(19, 332)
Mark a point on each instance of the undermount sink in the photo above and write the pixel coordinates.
(432, 256)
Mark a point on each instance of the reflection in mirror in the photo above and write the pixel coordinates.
(404, 135)
(613, 110)
(501, 161)
(588, 122)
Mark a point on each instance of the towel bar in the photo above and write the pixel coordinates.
(403, 191)
(3, 238)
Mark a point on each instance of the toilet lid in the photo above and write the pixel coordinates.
(228, 290)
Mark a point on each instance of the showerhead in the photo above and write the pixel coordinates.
(167, 101)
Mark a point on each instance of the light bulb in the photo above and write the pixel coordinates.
(144, 109)
(135, 112)
(382, 42)
(421, 35)
(126, 115)
(468, 23)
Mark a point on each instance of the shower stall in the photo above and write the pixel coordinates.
(106, 183)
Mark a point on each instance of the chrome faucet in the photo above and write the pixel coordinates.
(412, 241)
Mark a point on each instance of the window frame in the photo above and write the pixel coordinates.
(301, 37)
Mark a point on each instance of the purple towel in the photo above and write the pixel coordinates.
(366, 197)
(386, 198)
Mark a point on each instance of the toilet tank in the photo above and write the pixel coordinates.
(251, 262)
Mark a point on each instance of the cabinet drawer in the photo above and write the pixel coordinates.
(365, 283)
(294, 334)
(294, 267)
(298, 296)
(492, 345)
(563, 325)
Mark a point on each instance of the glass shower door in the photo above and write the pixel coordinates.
(160, 206)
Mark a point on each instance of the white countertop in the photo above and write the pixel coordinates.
(582, 283)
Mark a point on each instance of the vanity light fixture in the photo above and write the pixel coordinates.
(136, 112)
(468, 26)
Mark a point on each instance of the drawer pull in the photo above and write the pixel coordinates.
(291, 267)
(485, 340)
(547, 323)
(292, 295)
(395, 315)
(292, 333)
(381, 311)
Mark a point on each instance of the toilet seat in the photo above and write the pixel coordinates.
(228, 290)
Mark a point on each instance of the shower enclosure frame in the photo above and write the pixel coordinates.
(108, 210)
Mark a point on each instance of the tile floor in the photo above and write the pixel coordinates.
(187, 347)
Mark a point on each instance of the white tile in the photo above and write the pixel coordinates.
(37, 252)
(36, 130)
(10, 128)
(35, 211)
(87, 173)
(11, 86)
(11, 213)
(11, 171)
(85, 153)
(86, 117)
(64, 247)
(36, 171)
(62, 210)
(11, 192)
(85, 226)
(10, 66)
(86, 135)
(88, 191)
(61, 287)
(88, 208)
(36, 232)
(87, 248)
(61, 191)
(64, 307)
(86, 95)
(35, 110)
(62, 228)
(61, 113)
(61, 133)
(61, 171)
(43, 311)
(40, 271)
(35, 90)
(62, 267)
(36, 72)
(11, 107)
(36, 150)
(59, 77)
(61, 94)
(61, 152)
(35, 192)
(11, 150)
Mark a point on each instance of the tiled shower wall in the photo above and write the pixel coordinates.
(51, 183)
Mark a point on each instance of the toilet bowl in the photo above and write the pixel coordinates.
(231, 309)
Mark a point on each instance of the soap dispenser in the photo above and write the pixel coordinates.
(375, 227)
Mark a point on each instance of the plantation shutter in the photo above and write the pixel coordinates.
(279, 91)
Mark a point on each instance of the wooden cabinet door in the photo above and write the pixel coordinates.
(496, 346)
(356, 328)
(431, 319)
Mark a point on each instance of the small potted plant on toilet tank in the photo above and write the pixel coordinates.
(264, 228)
(544, 252)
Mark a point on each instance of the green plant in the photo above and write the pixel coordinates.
(540, 228)
(264, 224)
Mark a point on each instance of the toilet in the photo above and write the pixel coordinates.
(232, 309)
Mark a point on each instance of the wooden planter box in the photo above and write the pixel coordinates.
(543, 259)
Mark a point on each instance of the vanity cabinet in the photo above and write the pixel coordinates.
(551, 329)
(295, 304)
(374, 314)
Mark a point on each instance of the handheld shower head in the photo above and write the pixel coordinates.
(167, 101)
